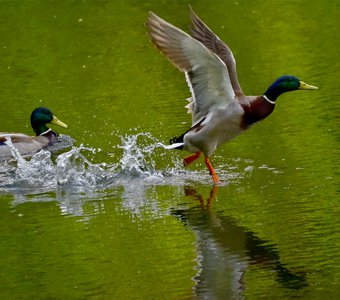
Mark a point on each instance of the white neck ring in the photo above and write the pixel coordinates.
(48, 130)
(268, 100)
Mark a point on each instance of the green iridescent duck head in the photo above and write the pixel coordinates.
(42, 116)
(284, 84)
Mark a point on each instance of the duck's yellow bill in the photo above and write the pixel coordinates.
(56, 121)
(305, 86)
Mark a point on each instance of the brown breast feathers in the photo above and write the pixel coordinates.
(255, 111)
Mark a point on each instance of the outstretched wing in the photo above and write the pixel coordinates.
(201, 32)
(206, 73)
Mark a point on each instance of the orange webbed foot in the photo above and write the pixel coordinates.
(191, 158)
(212, 171)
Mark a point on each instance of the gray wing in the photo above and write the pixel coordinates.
(16, 138)
(206, 73)
(22, 142)
(204, 34)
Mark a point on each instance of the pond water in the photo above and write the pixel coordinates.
(116, 216)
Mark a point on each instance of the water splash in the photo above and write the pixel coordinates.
(138, 157)
(73, 177)
(15, 153)
(142, 160)
(63, 142)
(74, 169)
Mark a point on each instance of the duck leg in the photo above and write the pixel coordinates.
(211, 170)
(191, 158)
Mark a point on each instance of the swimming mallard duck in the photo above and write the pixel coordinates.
(28, 144)
(220, 110)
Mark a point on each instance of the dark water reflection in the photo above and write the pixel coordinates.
(226, 251)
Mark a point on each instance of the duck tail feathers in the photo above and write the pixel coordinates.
(174, 146)
(176, 143)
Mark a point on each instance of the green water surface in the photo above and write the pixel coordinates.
(270, 231)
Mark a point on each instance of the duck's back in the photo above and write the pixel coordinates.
(23, 143)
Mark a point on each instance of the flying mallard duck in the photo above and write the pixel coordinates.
(220, 110)
(28, 144)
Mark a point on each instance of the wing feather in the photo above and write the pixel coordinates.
(206, 73)
(201, 32)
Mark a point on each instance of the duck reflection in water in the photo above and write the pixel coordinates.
(226, 250)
